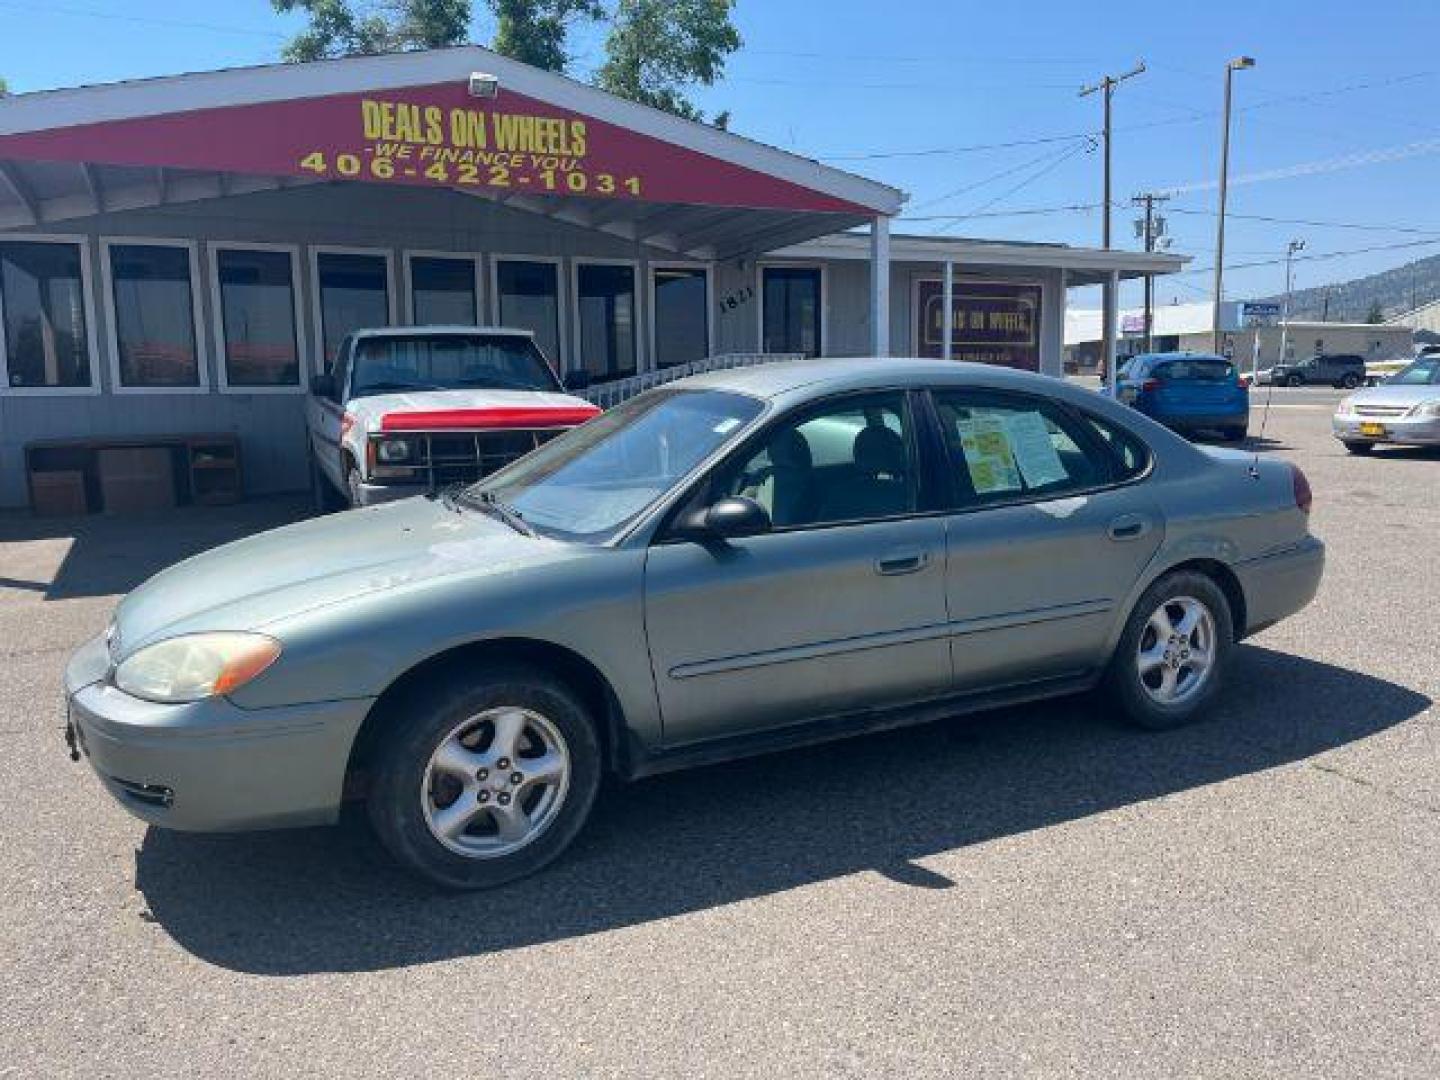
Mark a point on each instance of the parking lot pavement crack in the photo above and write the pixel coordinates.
(1358, 781)
(18, 654)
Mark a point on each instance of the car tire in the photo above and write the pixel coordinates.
(352, 486)
(1148, 675)
(1360, 448)
(489, 715)
(1294, 380)
(1235, 434)
(1349, 382)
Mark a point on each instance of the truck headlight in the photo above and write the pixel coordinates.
(393, 451)
(195, 666)
(1427, 408)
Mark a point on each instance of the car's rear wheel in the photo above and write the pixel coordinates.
(484, 778)
(1171, 658)
(1361, 448)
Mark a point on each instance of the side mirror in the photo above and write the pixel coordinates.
(323, 385)
(577, 380)
(728, 519)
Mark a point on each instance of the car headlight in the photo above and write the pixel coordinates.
(195, 666)
(393, 451)
(1347, 407)
(1427, 408)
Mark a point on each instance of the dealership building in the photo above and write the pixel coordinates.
(179, 255)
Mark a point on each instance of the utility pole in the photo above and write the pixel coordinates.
(1106, 88)
(1151, 230)
(1238, 64)
(1290, 250)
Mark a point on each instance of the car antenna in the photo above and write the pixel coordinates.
(1264, 420)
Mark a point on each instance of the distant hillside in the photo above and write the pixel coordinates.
(1350, 301)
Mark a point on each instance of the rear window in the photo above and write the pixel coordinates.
(1196, 369)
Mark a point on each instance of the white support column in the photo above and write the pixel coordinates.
(947, 299)
(880, 285)
(1108, 328)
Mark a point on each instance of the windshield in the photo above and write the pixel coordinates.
(1423, 372)
(1198, 369)
(384, 365)
(595, 479)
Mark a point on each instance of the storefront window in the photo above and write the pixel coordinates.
(354, 295)
(790, 299)
(43, 295)
(442, 291)
(682, 311)
(257, 310)
(155, 334)
(529, 299)
(607, 320)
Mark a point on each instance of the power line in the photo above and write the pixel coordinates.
(1324, 256)
(1311, 222)
(971, 149)
(991, 179)
(144, 20)
(1049, 168)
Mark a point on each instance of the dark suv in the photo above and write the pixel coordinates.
(1341, 370)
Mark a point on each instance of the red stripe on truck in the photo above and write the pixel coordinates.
(452, 419)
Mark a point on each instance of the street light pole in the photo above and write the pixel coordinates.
(1290, 250)
(1239, 63)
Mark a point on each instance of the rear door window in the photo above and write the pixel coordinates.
(1004, 448)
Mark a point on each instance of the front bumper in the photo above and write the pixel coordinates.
(1402, 430)
(378, 494)
(1281, 583)
(211, 766)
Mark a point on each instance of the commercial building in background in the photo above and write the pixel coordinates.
(1187, 327)
(178, 256)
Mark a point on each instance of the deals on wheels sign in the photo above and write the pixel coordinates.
(995, 322)
(434, 135)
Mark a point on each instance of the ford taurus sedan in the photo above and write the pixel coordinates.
(733, 563)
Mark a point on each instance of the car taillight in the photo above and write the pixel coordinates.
(1301, 486)
(1244, 381)
(1150, 385)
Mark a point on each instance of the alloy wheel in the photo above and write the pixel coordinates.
(1177, 650)
(495, 782)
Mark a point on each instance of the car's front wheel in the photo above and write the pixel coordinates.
(484, 778)
(1361, 448)
(1171, 657)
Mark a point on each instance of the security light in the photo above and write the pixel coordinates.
(483, 85)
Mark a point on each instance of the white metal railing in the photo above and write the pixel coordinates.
(608, 395)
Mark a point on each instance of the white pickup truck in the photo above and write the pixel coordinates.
(413, 409)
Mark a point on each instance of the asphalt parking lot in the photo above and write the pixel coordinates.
(1032, 892)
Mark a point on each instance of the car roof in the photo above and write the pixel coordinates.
(786, 377)
(439, 329)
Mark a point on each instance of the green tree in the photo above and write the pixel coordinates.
(658, 49)
(4, 87)
(1376, 314)
(336, 28)
(534, 31)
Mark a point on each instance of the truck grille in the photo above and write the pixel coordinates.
(455, 457)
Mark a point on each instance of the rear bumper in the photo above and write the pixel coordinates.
(1405, 431)
(211, 766)
(1281, 583)
(1206, 420)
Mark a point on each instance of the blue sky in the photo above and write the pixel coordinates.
(1336, 123)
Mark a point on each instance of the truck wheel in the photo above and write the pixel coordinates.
(1293, 380)
(484, 777)
(1172, 655)
(1350, 381)
(352, 485)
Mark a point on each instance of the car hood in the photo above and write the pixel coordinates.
(1396, 394)
(273, 575)
(468, 410)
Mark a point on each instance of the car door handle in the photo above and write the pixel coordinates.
(1129, 527)
(906, 563)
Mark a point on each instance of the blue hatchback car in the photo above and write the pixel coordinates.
(1188, 392)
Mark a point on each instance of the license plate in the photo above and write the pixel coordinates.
(1375, 431)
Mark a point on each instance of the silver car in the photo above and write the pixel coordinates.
(734, 563)
(1404, 410)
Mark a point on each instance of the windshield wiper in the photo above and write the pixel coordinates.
(487, 501)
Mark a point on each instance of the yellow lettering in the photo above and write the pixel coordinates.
(370, 114)
(434, 134)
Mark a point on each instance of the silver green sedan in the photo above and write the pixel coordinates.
(733, 563)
